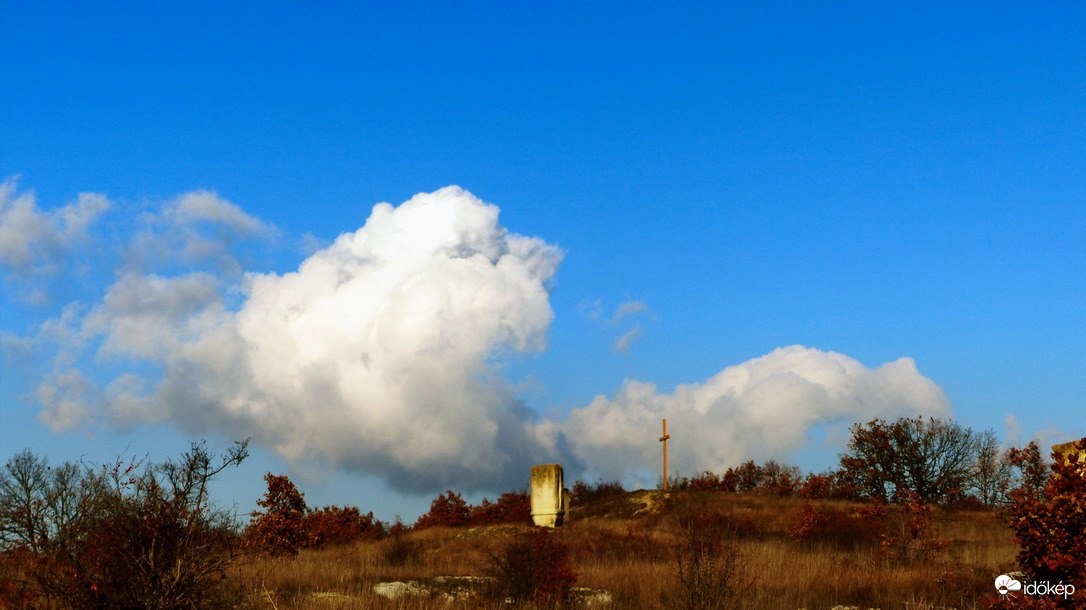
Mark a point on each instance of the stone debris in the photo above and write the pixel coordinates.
(590, 597)
(330, 596)
(396, 590)
(453, 589)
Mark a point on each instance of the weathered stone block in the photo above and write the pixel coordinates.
(1072, 450)
(550, 499)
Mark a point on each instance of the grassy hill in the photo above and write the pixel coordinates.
(652, 549)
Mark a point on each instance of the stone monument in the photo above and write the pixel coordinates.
(550, 499)
(1074, 449)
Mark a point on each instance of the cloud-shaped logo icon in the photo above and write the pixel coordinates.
(1005, 584)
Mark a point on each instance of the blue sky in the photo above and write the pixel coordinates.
(870, 182)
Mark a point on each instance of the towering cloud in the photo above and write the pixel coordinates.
(373, 354)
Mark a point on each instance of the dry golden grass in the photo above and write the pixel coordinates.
(632, 557)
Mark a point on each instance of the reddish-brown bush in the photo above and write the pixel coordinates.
(817, 487)
(1032, 475)
(910, 535)
(933, 458)
(582, 493)
(1051, 530)
(750, 476)
(397, 550)
(771, 478)
(281, 530)
(835, 527)
(710, 568)
(511, 507)
(709, 481)
(447, 510)
(147, 539)
(533, 568)
(780, 480)
(334, 525)
(636, 544)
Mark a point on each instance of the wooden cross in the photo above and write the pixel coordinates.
(663, 439)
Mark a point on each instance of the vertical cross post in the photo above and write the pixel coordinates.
(663, 439)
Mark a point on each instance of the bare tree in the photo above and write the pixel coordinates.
(991, 475)
(24, 485)
(38, 502)
(125, 535)
(931, 458)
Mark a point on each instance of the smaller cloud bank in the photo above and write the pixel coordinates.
(760, 409)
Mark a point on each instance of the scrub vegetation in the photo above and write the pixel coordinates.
(920, 514)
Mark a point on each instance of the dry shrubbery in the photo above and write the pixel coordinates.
(532, 568)
(691, 548)
(451, 510)
(1050, 527)
(397, 550)
(334, 525)
(582, 493)
(135, 536)
(510, 507)
(832, 526)
(287, 525)
(635, 543)
(280, 528)
(710, 567)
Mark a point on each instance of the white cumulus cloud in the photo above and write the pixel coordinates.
(760, 409)
(381, 353)
(195, 228)
(374, 354)
(35, 240)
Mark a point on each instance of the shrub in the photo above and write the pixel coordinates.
(140, 539)
(708, 481)
(911, 536)
(1051, 529)
(817, 487)
(582, 493)
(750, 476)
(532, 569)
(511, 507)
(931, 458)
(447, 510)
(832, 526)
(1032, 474)
(607, 545)
(397, 550)
(780, 480)
(281, 530)
(17, 590)
(334, 525)
(710, 569)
